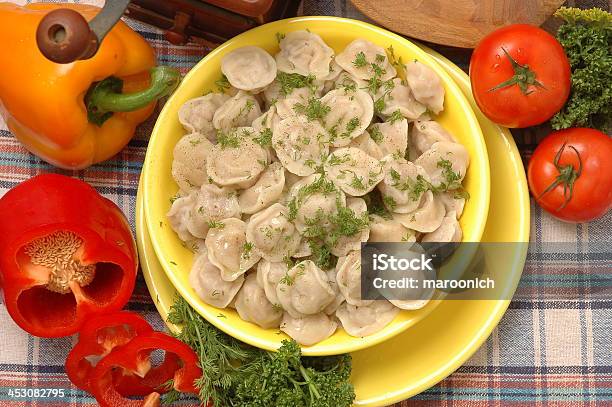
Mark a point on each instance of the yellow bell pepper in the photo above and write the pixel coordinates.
(77, 114)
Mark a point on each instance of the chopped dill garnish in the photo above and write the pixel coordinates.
(334, 159)
(357, 183)
(346, 223)
(288, 261)
(375, 204)
(246, 249)
(389, 202)
(290, 81)
(287, 280)
(293, 208)
(376, 135)
(321, 254)
(215, 224)
(419, 188)
(452, 179)
(222, 83)
(348, 85)
(396, 116)
(360, 60)
(229, 139)
(380, 104)
(351, 126)
(265, 137)
(314, 110)
(280, 37)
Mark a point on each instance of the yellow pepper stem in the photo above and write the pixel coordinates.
(105, 97)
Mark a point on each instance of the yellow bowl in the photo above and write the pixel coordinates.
(458, 117)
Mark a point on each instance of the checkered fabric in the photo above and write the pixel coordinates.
(543, 353)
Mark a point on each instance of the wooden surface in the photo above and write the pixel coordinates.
(460, 23)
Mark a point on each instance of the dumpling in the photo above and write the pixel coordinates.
(348, 83)
(403, 185)
(395, 96)
(426, 133)
(359, 56)
(427, 217)
(189, 161)
(426, 86)
(303, 250)
(205, 279)
(249, 68)
(228, 249)
(212, 203)
(448, 231)
(266, 190)
(452, 202)
(309, 329)
(268, 120)
(334, 71)
(366, 320)
(236, 160)
(299, 144)
(178, 216)
(273, 236)
(353, 171)
(285, 105)
(389, 230)
(350, 114)
(410, 298)
(314, 198)
(345, 244)
(348, 278)
(289, 89)
(367, 145)
(269, 275)
(196, 115)
(446, 164)
(333, 306)
(291, 179)
(304, 53)
(391, 137)
(239, 111)
(304, 290)
(253, 306)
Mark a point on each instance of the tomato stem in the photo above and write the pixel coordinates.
(567, 177)
(523, 77)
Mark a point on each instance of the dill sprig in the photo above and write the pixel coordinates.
(290, 81)
(236, 374)
(313, 110)
(228, 139)
(222, 83)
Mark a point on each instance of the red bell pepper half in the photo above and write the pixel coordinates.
(98, 337)
(66, 253)
(133, 358)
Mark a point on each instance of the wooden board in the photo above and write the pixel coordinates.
(460, 23)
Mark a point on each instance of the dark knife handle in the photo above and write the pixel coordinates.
(64, 36)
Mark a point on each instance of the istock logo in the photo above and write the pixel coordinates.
(384, 262)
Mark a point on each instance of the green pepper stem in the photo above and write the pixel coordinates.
(164, 81)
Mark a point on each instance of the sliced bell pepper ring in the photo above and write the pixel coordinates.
(97, 338)
(134, 359)
(66, 253)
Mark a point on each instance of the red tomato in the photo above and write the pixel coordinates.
(520, 76)
(570, 174)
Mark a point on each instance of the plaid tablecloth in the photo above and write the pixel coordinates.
(556, 353)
